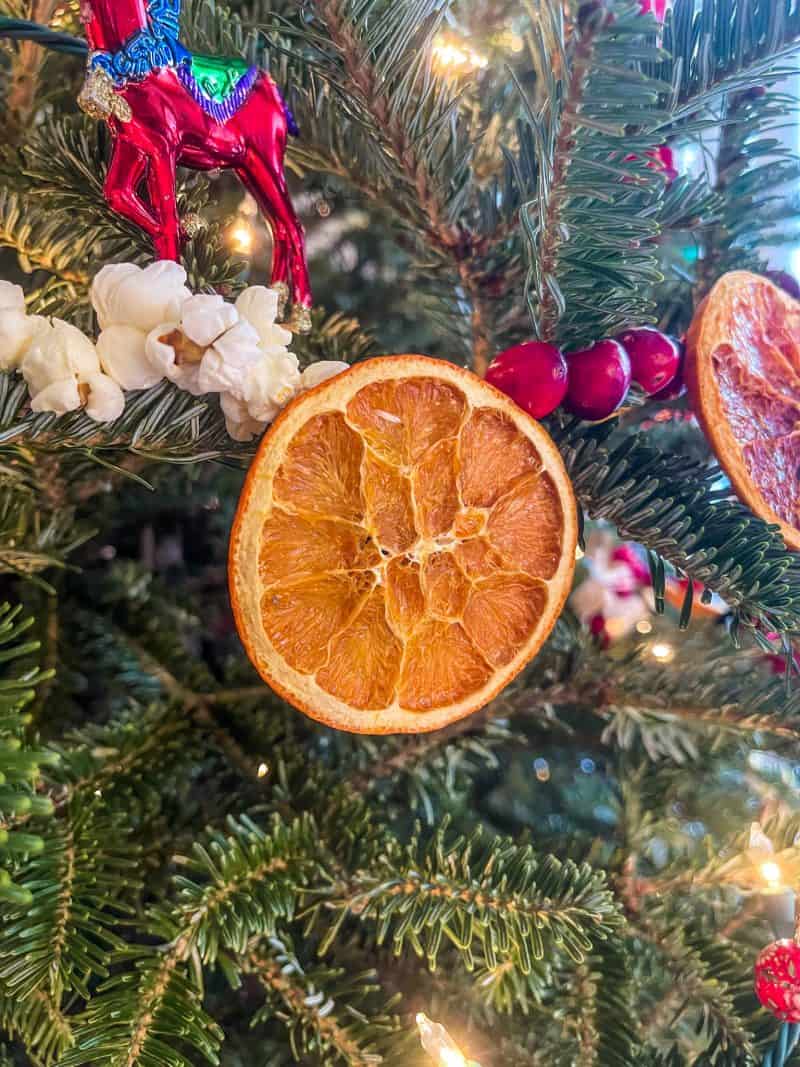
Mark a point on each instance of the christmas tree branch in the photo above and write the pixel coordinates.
(408, 137)
(328, 1012)
(496, 897)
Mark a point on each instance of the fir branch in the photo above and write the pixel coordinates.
(330, 1014)
(714, 49)
(39, 1024)
(82, 883)
(669, 505)
(591, 199)
(386, 82)
(494, 897)
(20, 763)
(248, 881)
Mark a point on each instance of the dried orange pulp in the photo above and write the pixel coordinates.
(743, 375)
(403, 546)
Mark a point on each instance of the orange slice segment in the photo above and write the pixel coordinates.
(403, 546)
(743, 375)
(389, 511)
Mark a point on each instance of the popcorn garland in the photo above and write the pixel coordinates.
(152, 327)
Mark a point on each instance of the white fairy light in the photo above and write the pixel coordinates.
(439, 1044)
(771, 873)
(456, 58)
(241, 237)
(662, 651)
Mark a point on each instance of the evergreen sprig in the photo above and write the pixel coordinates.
(330, 1014)
(20, 763)
(489, 896)
(674, 507)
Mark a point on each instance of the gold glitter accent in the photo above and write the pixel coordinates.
(100, 100)
(193, 224)
(282, 289)
(300, 322)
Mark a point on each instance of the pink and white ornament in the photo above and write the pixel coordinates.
(616, 594)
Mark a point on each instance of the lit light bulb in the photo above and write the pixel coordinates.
(457, 58)
(643, 626)
(439, 1044)
(241, 237)
(263, 770)
(771, 873)
(662, 651)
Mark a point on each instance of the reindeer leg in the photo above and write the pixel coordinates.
(280, 242)
(163, 198)
(125, 171)
(272, 195)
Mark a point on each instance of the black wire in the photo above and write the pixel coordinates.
(24, 30)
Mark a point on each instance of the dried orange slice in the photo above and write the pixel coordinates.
(743, 375)
(403, 545)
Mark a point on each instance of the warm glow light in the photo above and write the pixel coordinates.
(457, 58)
(644, 627)
(662, 651)
(438, 1044)
(241, 238)
(771, 873)
(263, 770)
(579, 553)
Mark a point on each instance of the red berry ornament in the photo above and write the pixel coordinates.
(655, 357)
(599, 379)
(778, 979)
(534, 375)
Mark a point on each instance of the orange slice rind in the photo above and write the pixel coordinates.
(404, 543)
(743, 376)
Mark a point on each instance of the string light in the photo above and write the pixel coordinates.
(662, 651)
(771, 873)
(643, 626)
(439, 1044)
(457, 58)
(263, 770)
(241, 237)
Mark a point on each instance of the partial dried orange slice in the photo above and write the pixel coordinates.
(403, 546)
(743, 375)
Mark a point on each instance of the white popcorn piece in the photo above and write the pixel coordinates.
(238, 423)
(271, 384)
(123, 356)
(123, 294)
(321, 372)
(62, 370)
(175, 356)
(225, 366)
(259, 306)
(205, 318)
(17, 327)
(106, 401)
(12, 298)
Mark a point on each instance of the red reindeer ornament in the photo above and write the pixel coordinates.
(167, 106)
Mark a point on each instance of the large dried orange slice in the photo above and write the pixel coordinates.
(743, 374)
(404, 543)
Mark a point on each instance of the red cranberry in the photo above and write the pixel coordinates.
(533, 374)
(599, 379)
(655, 357)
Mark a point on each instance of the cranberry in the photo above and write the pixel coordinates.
(599, 379)
(655, 357)
(533, 374)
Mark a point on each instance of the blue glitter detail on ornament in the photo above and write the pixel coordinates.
(157, 47)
